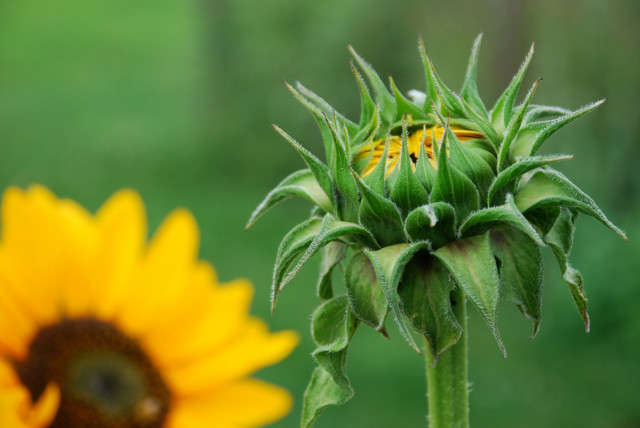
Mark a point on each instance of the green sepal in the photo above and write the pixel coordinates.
(376, 179)
(318, 116)
(382, 96)
(293, 245)
(537, 112)
(453, 187)
(505, 154)
(301, 183)
(520, 271)
(332, 254)
(501, 112)
(366, 297)
(319, 170)
(434, 222)
(560, 240)
(469, 90)
(332, 327)
(368, 131)
(347, 191)
(389, 264)
(485, 150)
(367, 106)
(470, 164)
(326, 108)
(531, 137)
(425, 297)
(448, 102)
(482, 123)
(518, 169)
(407, 192)
(404, 105)
(330, 230)
(483, 220)
(380, 216)
(473, 266)
(425, 172)
(549, 188)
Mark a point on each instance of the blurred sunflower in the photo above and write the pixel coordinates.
(97, 329)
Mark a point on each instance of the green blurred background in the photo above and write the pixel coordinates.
(174, 99)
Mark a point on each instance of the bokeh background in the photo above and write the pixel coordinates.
(174, 99)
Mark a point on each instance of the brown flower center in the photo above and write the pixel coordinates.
(106, 379)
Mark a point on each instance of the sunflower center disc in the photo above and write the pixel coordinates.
(106, 379)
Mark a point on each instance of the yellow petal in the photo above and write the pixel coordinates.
(165, 269)
(249, 403)
(202, 325)
(253, 349)
(122, 229)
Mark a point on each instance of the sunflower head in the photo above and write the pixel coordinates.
(422, 194)
(99, 329)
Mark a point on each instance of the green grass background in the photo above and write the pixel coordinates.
(174, 99)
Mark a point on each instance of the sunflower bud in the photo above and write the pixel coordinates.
(422, 195)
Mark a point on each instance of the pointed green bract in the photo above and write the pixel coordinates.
(501, 112)
(483, 220)
(469, 90)
(300, 183)
(407, 192)
(548, 188)
(518, 169)
(452, 186)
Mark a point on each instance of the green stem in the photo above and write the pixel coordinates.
(447, 382)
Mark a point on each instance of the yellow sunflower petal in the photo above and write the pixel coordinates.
(206, 323)
(122, 229)
(246, 404)
(236, 360)
(164, 272)
(16, 409)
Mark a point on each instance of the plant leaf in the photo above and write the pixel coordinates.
(326, 108)
(471, 263)
(483, 220)
(425, 297)
(332, 327)
(549, 188)
(300, 183)
(383, 98)
(330, 230)
(332, 255)
(533, 135)
(520, 271)
(560, 240)
(293, 245)
(520, 168)
(366, 297)
(389, 264)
